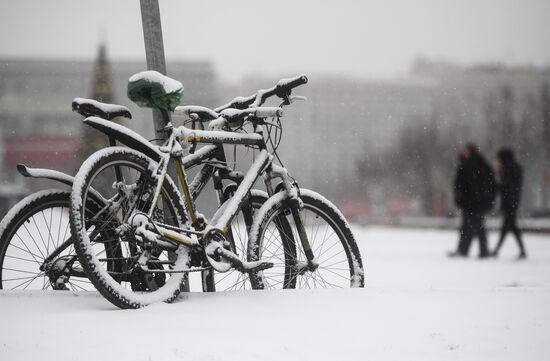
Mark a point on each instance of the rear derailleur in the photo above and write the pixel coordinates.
(59, 271)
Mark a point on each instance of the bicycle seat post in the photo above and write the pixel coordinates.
(166, 119)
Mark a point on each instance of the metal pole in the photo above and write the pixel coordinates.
(154, 50)
(154, 53)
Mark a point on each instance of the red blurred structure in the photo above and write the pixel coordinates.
(57, 152)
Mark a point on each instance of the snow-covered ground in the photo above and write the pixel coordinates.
(417, 305)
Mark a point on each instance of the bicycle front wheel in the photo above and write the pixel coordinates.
(127, 180)
(329, 235)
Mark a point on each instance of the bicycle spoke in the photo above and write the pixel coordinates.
(329, 283)
(75, 287)
(320, 247)
(227, 274)
(328, 249)
(32, 238)
(27, 249)
(335, 263)
(45, 284)
(20, 271)
(22, 259)
(331, 257)
(50, 236)
(28, 282)
(41, 238)
(336, 274)
(59, 227)
(322, 282)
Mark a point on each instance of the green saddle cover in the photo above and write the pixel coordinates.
(151, 89)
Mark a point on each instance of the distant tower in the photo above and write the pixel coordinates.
(102, 90)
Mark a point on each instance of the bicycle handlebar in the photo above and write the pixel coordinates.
(282, 89)
(204, 114)
(235, 117)
(238, 115)
(240, 107)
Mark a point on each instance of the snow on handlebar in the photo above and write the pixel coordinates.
(282, 89)
(204, 114)
(232, 115)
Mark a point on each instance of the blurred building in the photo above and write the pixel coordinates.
(38, 127)
(388, 148)
(494, 106)
(342, 121)
(382, 147)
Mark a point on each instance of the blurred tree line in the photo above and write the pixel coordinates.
(419, 167)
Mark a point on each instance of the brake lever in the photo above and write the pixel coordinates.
(297, 97)
(290, 99)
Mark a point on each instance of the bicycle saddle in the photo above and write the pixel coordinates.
(90, 107)
(151, 89)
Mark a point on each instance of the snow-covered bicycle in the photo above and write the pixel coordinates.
(318, 247)
(36, 250)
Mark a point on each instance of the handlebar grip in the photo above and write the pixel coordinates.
(286, 85)
(268, 112)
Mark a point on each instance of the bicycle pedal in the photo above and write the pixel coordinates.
(257, 266)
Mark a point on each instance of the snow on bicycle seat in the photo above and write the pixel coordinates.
(90, 107)
(151, 89)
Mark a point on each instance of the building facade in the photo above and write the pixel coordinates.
(38, 127)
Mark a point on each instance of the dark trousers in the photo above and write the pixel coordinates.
(509, 224)
(473, 225)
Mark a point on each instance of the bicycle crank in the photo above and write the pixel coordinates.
(222, 259)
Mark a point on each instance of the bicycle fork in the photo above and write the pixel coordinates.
(296, 205)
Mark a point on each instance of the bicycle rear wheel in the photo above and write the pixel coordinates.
(330, 238)
(127, 179)
(36, 248)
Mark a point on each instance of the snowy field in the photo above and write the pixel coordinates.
(417, 305)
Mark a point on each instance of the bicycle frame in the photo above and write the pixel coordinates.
(263, 165)
(202, 155)
(174, 150)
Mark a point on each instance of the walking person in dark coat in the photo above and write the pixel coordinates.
(475, 190)
(511, 179)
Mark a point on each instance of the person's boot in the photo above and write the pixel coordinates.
(522, 255)
(484, 253)
(456, 254)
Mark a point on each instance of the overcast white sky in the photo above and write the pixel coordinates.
(359, 38)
